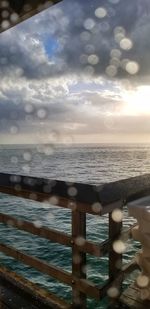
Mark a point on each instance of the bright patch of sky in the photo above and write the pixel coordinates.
(60, 71)
(99, 85)
(51, 46)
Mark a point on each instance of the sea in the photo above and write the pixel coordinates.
(86, 163)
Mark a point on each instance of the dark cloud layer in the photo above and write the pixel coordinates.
(70, 42)
(65, 25)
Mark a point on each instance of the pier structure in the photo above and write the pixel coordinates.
(17, 292)
(87, 199)
(140, 209)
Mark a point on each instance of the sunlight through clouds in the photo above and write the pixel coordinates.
(78, 67)
(137, 101)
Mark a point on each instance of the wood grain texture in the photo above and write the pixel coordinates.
(131, 298)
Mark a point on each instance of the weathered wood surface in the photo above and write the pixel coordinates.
(57, 236)
(124, 272)
(86, 194)
(115, 259)
(107, 197)
(81, 285)
(40, 265)
(131, 299)
(78, 257)
(17, 292)
(23, 9)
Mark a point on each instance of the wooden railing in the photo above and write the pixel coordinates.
(80, 199)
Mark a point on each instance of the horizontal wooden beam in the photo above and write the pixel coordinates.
(43, 267)
(124, 190)
(63, 202)
(56, 236)
(22, 286)
(61, 193)
(50, 234)
(90, 198)
(82, 285)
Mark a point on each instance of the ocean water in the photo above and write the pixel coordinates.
(94, 164)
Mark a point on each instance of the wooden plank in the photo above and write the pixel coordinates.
(13, 300)
(19, 286)
(127, 269)
(50, 234)
(131, 298)
(115, 258)
(106, 209)
(43, 267)
(84, 194)
(53, 191)
(23, 9)
(126, 189)
(52, 271)
(56, 236)
(67, 203)
(89, 288)
(78, 257)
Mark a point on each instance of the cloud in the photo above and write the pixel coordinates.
(31, 105)
(79, 37)
(41, 107)
(65, 69)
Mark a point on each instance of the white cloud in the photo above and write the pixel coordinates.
(36, 80)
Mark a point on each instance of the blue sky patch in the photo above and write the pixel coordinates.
(51, 46)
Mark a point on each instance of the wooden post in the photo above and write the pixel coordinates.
(78, 258)
(115, 259)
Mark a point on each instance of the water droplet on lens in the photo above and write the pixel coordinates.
(100, 12)
(41, 113)
(13, 129)
(72, 191)
(5, 14)
(14, 17)
(119, 246)
(111, 70)
(113, 292)
(89, 24)
(132, 67)
(126, 44)
(115, 53)
(93, 59)
(28, 108)
(97, 207)
(37, 223)
(5, 24)
(14, 160)
(142, 281)
(117, 215)
(27, 156)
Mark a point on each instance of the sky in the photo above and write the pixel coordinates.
(79, 72)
